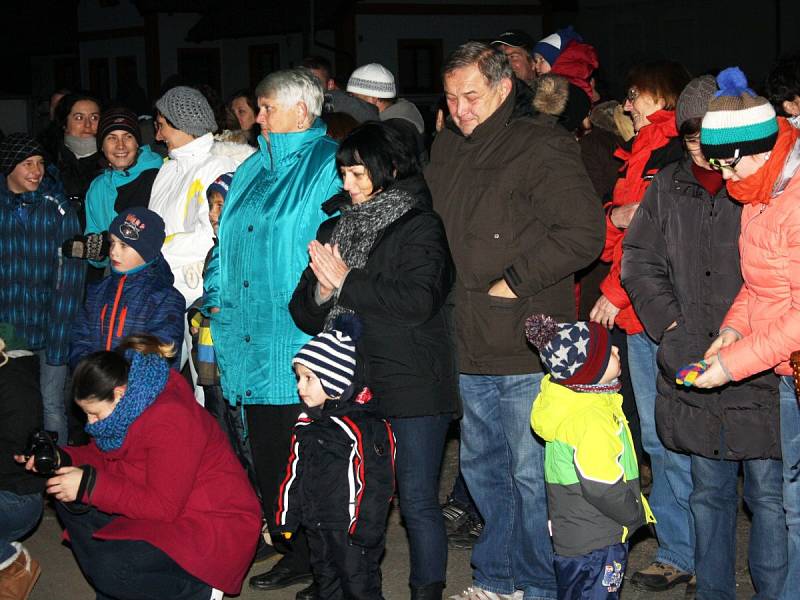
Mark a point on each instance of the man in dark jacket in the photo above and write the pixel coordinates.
(521, 218)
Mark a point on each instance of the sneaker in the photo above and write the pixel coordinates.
(691, 589)
(18, 575)
(465, 536)
(659, 577)
(454, 516)
(476, 593)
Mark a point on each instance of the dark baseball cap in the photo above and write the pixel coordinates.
(515, 38)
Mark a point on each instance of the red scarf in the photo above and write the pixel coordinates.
(757, 188)
(656, 135)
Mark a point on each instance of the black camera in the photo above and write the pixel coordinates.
(42, 447)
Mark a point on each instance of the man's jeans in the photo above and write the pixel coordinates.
(420, 445)
(503, 465)
(790, 447)
(51, 381)
(672, 472)
(714, 502)
(18, 516)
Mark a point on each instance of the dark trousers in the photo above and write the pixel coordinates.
(343, 571)
(620, 339)
(594, 576)
(125, 569)
(230, 419)
(270, 434)
(420, 445)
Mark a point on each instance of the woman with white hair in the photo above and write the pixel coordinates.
(271, 211)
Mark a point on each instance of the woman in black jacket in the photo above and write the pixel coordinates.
(75, 151)
(386, 259)
(680, 266)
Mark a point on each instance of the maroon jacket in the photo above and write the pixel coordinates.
(176, 484)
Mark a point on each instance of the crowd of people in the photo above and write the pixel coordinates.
(600, 297)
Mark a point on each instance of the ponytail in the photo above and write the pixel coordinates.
(98, 374)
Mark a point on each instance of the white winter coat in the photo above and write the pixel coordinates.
(179, 197)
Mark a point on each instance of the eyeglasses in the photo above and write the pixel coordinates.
(692, 139)
(718, 165)
(632, 95)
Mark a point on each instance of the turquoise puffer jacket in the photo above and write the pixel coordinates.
(271, 213)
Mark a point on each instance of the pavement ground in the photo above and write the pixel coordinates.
(61, 578)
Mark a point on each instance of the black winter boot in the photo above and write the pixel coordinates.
(431, 591)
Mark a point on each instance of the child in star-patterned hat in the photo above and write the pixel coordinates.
(592, 478)
(576, 354)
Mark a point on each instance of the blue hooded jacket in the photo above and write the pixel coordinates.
(40, 290)
(271, 213)
(126, 303)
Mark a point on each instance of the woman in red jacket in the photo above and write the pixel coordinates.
(169, 512)
(652, 96)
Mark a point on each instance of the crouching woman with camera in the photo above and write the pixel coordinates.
(156, 506)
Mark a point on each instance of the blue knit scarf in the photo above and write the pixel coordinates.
(147, 378)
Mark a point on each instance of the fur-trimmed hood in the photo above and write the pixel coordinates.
(556, 96)
(233, 150)
(551, 95)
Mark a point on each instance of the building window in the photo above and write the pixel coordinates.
(100, 78)
(200, 65)
(420, 66)
(264, 59)
(66, 73)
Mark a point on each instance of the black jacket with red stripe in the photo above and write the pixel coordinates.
(340, 473)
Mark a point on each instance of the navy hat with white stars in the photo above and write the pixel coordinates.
(574, 353)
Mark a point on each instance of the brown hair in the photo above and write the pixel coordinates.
(662, 79)
(339, 124)
(98, 374)
(146, 344)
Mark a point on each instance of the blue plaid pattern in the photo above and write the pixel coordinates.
(40, 291)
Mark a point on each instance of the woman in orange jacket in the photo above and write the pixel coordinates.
(759, 156)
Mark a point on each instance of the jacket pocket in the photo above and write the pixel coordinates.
(673, 353)
(498, 325)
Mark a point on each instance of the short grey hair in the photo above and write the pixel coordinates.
(291, 86)
(492, 63)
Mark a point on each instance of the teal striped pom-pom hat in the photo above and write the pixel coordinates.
(739, 122)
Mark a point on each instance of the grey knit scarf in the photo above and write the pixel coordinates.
(358, 228)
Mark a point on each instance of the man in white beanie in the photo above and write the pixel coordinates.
(374, 83)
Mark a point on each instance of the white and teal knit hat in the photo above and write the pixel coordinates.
(738, 122)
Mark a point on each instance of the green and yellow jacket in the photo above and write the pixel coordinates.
(590, 469)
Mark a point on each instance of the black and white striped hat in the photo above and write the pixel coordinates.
(331, 355)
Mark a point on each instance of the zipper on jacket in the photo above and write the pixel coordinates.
(117, 297)
(744, 230)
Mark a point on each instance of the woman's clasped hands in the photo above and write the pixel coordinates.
(328, 266)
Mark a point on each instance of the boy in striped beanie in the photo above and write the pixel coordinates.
(340, 476)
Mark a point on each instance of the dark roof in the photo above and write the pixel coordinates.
(249, 18)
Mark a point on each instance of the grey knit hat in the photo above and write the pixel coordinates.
(188, 110)
(694, 99)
